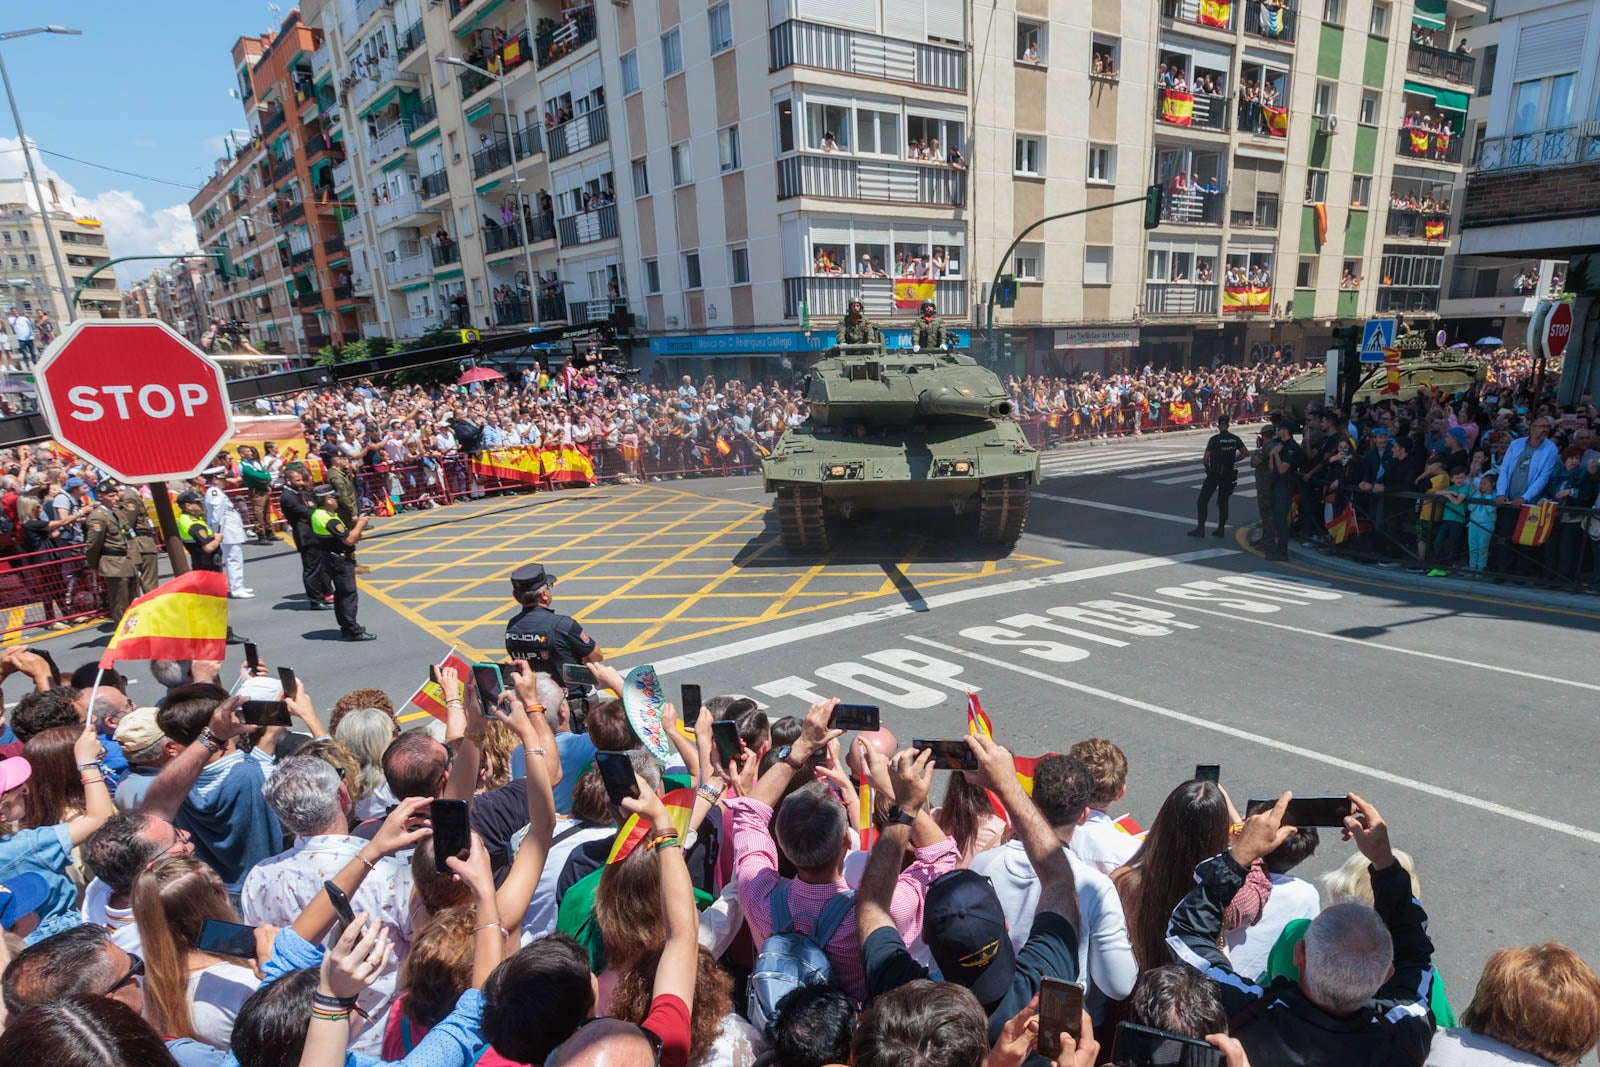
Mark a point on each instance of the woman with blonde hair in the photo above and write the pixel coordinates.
(187, 993)
(368, 732)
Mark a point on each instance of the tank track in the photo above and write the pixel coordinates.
(801, 524)
(1002, 510)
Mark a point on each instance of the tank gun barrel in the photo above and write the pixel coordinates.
(946, 401)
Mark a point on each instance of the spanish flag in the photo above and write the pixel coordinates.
(679, 804)
(1391, 370)
(1319, 212)
(1215, 12)
(1277, 120)
(429, 697)
(723, 447)
(1177, 108)
(978, 725)
(1054, 420)
(1237, 298)
(187, 618)
(1419, 142)
(567, 465)
(1345, 525)
(1534, 525)
(1181, 412)
(911, 292)
(1433, 229)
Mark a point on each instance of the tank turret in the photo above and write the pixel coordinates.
(896, 388)
(946, 401)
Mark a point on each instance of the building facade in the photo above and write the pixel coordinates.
(30, 282)
(178, 294)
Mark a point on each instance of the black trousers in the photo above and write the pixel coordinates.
(1222, 485)
(313, 571)
(341, 572)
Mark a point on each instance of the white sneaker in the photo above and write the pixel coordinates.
(243, 594)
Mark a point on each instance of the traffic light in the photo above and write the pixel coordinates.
(1008, 290)
(1153, 198)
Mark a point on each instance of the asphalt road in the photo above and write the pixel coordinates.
(1465, 719)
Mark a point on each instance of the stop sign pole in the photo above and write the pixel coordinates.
(140, 402)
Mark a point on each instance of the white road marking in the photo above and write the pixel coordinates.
(1192, 477)
(1187, 520)
(1105, 465)
(806, 631)
(746, 488)
(1367, 644)
(1464, 799)
(1168, 469)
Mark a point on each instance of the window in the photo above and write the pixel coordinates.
(1333, 11)
(739, 266)
(877, 132)
(1486, 69)
(464, 227)
(691, 270)
(1322, 99)
(785, 125)
(641, 178)
(630, 71)
(1305, 275)
(682, 164)
(720, 21)
(1030, 155)
(728, 157)
(1316, 187)
(1105, 56)
(1102, 163)
(1097, 265)
(1379, 26)
(828, 127)
(1025, 263)
(1032, 38)
(1360, 191)
(671, 53)
(1350, 277)
(652, 277)
(1369, 109)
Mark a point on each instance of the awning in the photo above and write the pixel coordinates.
(381, 102)
(448, 275)
(418, 287)
(424, 138)
(487, 187)
(478, 112)
(1429, 13)
(1448, 99)
(397, 162)
(477, 20)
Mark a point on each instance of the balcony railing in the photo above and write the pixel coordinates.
(378, 75)
(1195, 110)
(1199, 13)
(425, 112)
(1564, 146)
(365, 9)
(416, 325)
(1438, 146)
(845, 178)
(1441, 63)
(395, 210)
(294, 212)
(578, 133)
(458, 6)
(273, 122)
(582, 311)
(473, 82)
(587, 226)
(1192, 208)
(351, 228)
(333, 244)
(435, 184)
(830, 296)
(528, 141)
(343, 174)
(1260, 120)
(319, 61)
(282, 168)
(1180, 298)
(1398, 299)
(490, 159)
(361, 282)
(502, 237)
(1269, 20)
(556, 44)
(343, 290)
(512, 312)
(414, 266)
(1427, 226)
(413, 39)
(370, 330)
(552, 308)
(300, 258)
(390, 140)
(809, 44)
(443, 253)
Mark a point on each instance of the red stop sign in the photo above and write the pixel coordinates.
(1558, 330)
(135, 399)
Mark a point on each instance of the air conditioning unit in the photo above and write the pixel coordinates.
(1328, 123)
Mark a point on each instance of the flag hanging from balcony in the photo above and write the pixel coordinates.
(1391, 372)
(911, 292)
(1433, 229)
(1319, 214)
(1245, 298)
(1272, 20)
(1277, 120)
(1177, 108)
(1215, 12)
(1419, 142)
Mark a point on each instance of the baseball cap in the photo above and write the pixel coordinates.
(529, 577)
(1459, 434)
(964, 928)
(13, 772)
(73, 483)
(189, 496)
(20, 895)
(138, 729)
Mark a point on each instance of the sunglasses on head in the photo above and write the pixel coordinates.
(136, 970)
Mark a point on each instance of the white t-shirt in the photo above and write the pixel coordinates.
(1102, 844)
(215, 997)
(22, 326)
(1292, 898)
(98, 911)
(540, 920)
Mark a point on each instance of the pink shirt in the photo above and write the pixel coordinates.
(756, 863)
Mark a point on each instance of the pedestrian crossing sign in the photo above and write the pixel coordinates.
(1377, 335)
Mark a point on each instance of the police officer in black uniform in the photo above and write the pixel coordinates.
(1222, 452)
(547, 640)
(338, 543)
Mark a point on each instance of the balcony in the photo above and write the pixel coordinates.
(458, 6)
(808, 44)
(1564, 146)
(443, 254)
(300, 258)
(294, 212)
(490, 159)
(365, 9)
(1441, 63)
(1259, 120)
(1180, 298)
(351, 228)
(282, 168)
(595, 310)
(1200, 111)
(527, 141)
(361, 282)
(1192, 208)
(578, 133)
(425, 112)
(1437, 146)
(846, 178)
(1274, 21)
(371, 330)
(272, 122)
(406, 268)
(828, 297)
(552, 309)
(588, 226)
(1207, 13)
(552, 46)
(416, 326)
(512, 312)
(334, 244)
(1395, 299)
(392, 212)
(414, 38)
(435, 184)
(343, 174)
(343, 291)
(390, 140)
(319, 62)
(378, 75)
(472, 82)
(1416, 224)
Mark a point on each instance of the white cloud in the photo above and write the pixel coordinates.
(132, 228)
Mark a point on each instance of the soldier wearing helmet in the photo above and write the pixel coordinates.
(855, 328)
(929, 332)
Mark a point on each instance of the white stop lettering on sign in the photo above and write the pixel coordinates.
(156, 401)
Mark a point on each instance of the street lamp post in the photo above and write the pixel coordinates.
(525, 216)
(33, 175)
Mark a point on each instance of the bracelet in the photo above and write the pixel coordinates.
(91, 763)
(534, 751)
(369, 864)
(454, 703)
(669, 839)
(210, 740)
(91, 781)
(488, 926)
(328, 1000)
(319, 1015)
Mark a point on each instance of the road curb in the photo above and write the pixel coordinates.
(1404, 579)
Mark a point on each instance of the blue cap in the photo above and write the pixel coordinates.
(73, 483)
(1459, 434)
(964, 927)
(20, 896)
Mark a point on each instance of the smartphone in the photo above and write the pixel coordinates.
(576, 674)
(341, 905)
(1208, 772)
(451, 834)
(949, 755)
(433, 675)
(487, 675)
(1141, 1046)
(50, 661)
(252, 658)
(286, 679)
(227, 939)
(854, 717)
(616, 771)
(1060, 1011)
(689, 704)
(265, 712)
(725, 734)
(508, 677)
(1308, 811)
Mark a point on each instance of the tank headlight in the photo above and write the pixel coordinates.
(836, 472)
(963, 467)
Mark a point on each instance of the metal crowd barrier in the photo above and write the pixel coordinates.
(50, 586)
(1049, 429)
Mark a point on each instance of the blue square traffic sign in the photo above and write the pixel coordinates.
(1377, 335)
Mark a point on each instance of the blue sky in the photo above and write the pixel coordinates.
(145, 90)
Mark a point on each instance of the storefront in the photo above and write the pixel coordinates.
(1088, 350)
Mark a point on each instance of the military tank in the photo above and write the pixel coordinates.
(1420, 368)
(899, 432)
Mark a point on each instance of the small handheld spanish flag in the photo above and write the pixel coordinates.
(187, 618)
(679, 804)
(723, 448)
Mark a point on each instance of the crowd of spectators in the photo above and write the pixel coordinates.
(1133, 401)
(805, 903)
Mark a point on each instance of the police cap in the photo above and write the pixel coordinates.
(324, 490)
(189, 496)
(530, 578)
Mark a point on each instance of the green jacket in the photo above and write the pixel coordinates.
(344, 484)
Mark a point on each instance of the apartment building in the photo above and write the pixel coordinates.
(270, 204)
(1533, 194)
(29, 281)
(178, 294)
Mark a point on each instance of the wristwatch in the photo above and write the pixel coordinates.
(898, 816)
(785, 755)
